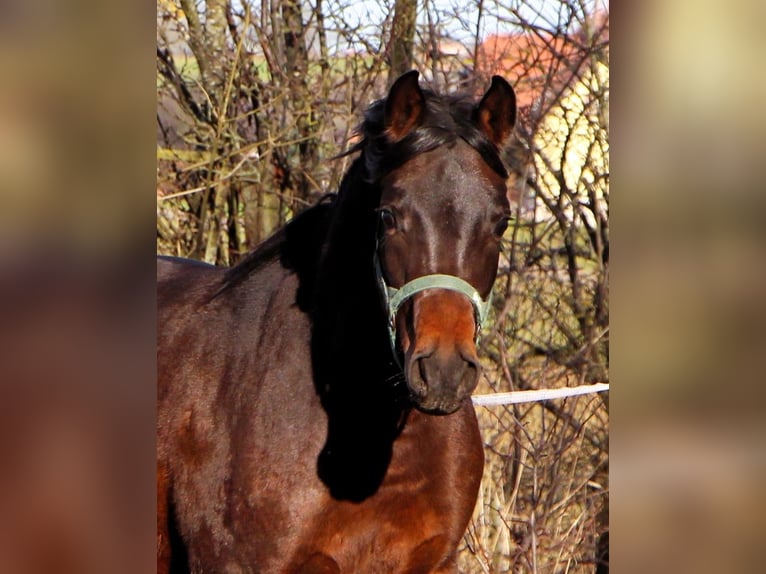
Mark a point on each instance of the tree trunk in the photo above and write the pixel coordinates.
(402, 38)
(296, 60)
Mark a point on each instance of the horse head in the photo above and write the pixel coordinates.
(443, 210)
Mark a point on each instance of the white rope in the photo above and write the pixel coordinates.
(516, 397)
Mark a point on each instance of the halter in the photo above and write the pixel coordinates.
(395, 297)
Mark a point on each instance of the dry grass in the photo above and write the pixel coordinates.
(544, 496)
(543, 488)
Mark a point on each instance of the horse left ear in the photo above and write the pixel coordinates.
(496, 113)
(405, 105)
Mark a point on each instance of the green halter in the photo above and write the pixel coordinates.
(395, 297)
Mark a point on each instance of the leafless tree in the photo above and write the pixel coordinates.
(256, 99)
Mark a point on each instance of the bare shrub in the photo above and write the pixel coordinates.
(255, 100)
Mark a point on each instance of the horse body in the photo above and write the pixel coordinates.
(292, 438)
(234, 476)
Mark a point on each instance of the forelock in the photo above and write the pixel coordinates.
(446, 119)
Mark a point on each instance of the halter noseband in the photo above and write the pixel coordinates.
(395, 297)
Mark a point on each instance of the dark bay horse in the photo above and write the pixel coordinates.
(314, 400)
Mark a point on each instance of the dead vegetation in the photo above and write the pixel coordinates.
(255, 100)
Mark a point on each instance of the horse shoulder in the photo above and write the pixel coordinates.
(448, 452)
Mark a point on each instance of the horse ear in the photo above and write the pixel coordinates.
(496, 113)
(405, 105)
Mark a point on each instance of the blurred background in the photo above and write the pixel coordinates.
(77, 328)
(687, 298)
(127, 130)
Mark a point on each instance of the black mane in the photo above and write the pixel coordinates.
(446, 119)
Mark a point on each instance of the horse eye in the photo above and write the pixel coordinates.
(501, 226)
(387, 219)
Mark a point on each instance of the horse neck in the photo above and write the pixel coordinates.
(350, 337)
(361, 389)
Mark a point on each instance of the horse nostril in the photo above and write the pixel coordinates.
(421, 363)
(472, 360)
(418, 377)
(472, 369)
(431, 373)
(470, 376)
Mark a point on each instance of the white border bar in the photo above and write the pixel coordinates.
(516, 397)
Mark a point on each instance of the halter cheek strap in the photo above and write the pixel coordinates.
(395, 297)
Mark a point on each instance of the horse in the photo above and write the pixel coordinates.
(314, 410)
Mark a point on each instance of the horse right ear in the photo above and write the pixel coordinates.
(405, 106)
(496, 113)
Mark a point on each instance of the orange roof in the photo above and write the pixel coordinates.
(535, 62)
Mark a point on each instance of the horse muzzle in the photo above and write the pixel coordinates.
(438, 337)
(441, 365)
